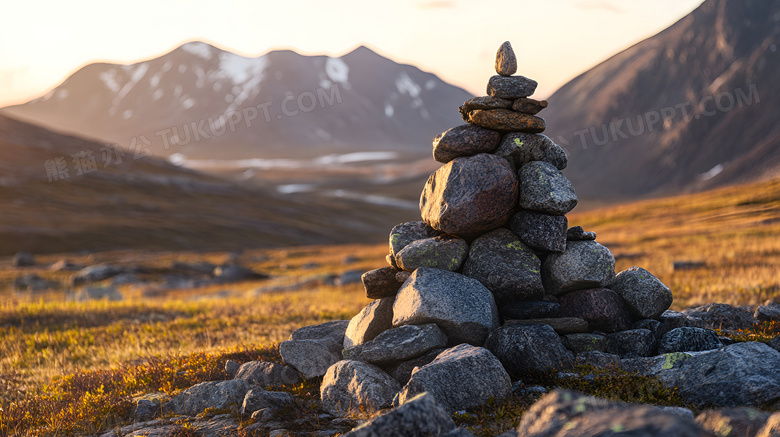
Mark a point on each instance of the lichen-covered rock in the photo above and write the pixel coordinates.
(420, 416)
(545, 189)
(405, 233)
(543, 232)
(521, 148)
(355, 387)
(446, 252)
(583, 265)
(602, 308)
(524, 349)
(504, 120)
(507, 267)
(645, 295)
(688, 339)
(462, 307)
(461, 377)
(372, 320)
(470, 196)
(512, 87)
(464, 140)
(381, 282)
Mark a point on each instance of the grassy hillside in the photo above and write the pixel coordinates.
(73, 367)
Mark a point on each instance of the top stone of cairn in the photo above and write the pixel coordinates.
(506, 63)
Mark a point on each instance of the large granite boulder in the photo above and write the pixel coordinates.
(645, 296)
(469, 196)
(462, 377)
(462, 307)
(355, 387)
(507, 267)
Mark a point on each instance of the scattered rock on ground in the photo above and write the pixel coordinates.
(214, 394)
(267, 374)
(310, 357)
(95, 273)
(420, 416)
(26, 259)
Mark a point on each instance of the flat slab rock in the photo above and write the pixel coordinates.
(470, 196)
(399, 344)
(504, 120)
(512, 87)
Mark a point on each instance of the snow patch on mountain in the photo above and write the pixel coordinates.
(109, 80)
(199, 49)
(338, 71)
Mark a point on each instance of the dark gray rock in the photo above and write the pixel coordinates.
(504, 121)
(461, 377)
(145, 410)
(602, 308)
(372, 320)
(381, 282)
(506, 266)
(506, 63)
(570, 414)
(631, 343)
(267, 374)
(330, 334)
(402, 276)
(214, 394)
(420, 416)
(403, 371)
(405, 233)
(733, 422)
(775, 343)
(530, 309)
(585, 342)
(722, 316)
(462, 307)
(673, 319)
(358, 388)
(584, 264)
(231, 368)
(232, 273)
(400, 344)
(445, 252)
(310, 357)
(349, 277)
(543, 232)
(654, 326)
(96, 293)
(35, 283)
(576, 233)
(598, 359)
(741, 374)
(470, 196)
(26, 259)
(528, 106)
(520, 148)
(258, 399)
(768, 312)
(485, 102)
(545, 189)
(512, 87)
(645, 296)
(688, 340)
(561, 325)
(525, 349)
(95, 273)
(464, 140)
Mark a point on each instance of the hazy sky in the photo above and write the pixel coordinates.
(42, 42)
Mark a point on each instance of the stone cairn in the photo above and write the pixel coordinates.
(492, 285)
